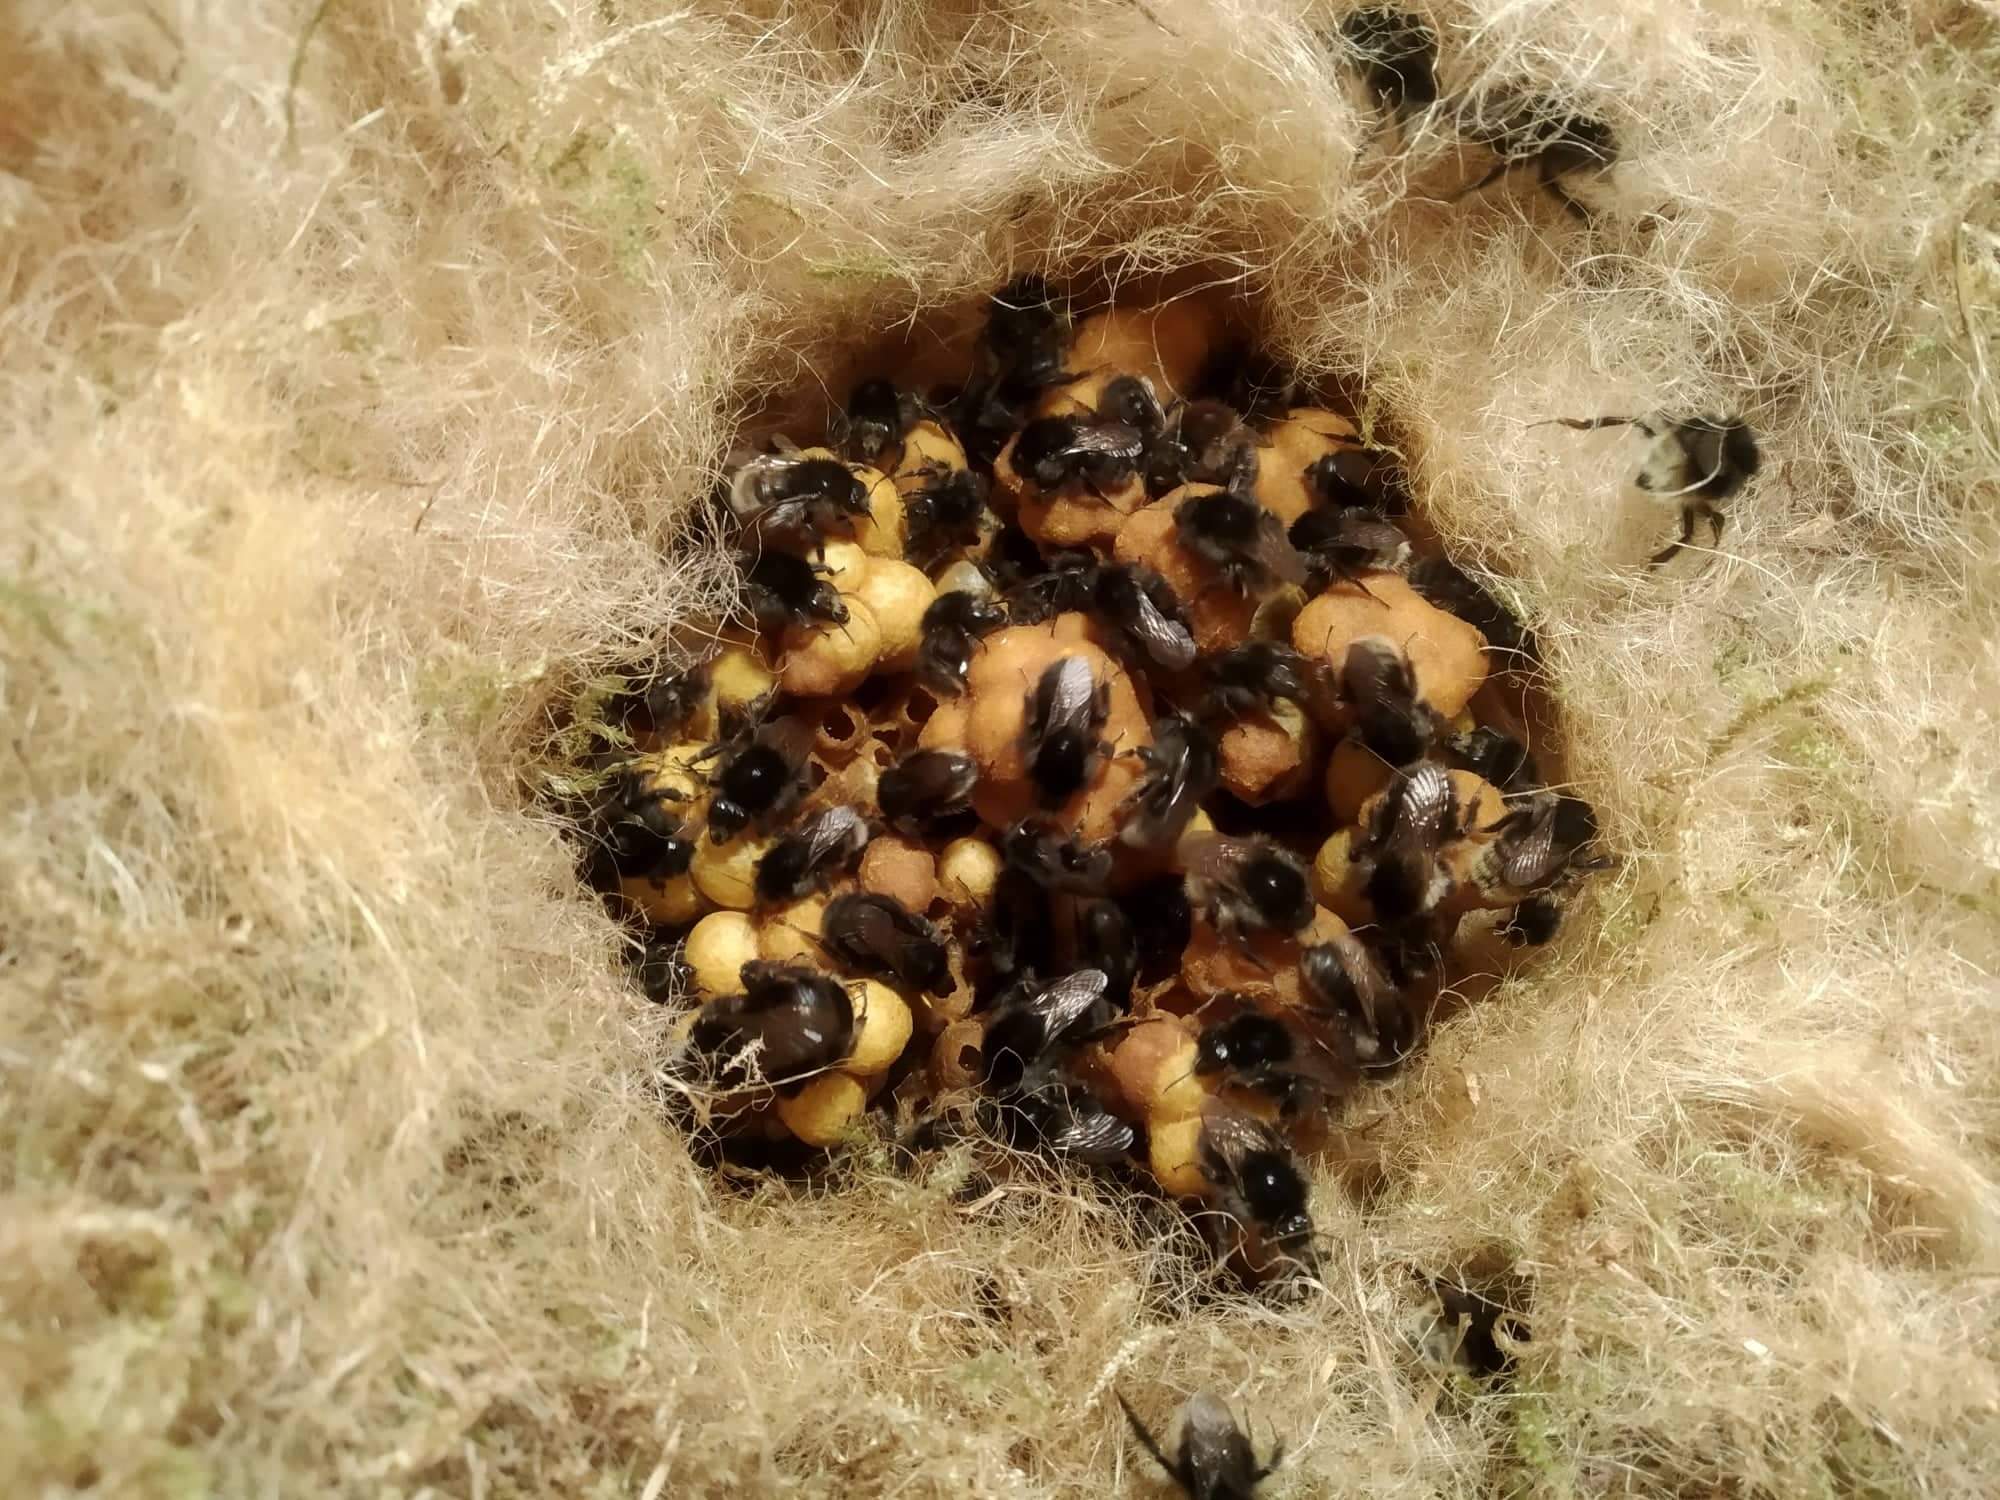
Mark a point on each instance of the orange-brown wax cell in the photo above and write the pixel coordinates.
(902, 868)
(1005, 671)
(1300, 438)
(1167, 345)
(1268, 969)
(1218, 616)
(1354, 773)
(928, 449)
(822, 661)
(1267, 756)
(1447, 655)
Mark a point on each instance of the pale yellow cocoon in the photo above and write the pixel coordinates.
(726, 873)
(677, 768)
(821, 1112)
(717, 949)
(897, 594)
(788, 934)
(968, 870)
(965, 576)
(830, 659)
(1336, 879)
(846, 564)
(740, 677)
(1172, 1148)
(672, 902)
(880, 532)
(882, 1026)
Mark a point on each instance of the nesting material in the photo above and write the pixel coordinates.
(367, 371)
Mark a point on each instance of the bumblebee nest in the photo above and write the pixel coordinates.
(365, 370)
(1104, 948)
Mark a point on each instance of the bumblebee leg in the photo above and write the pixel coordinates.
(1687, 535)
(1552, 181)
(1500, 169)
(1139, 1431)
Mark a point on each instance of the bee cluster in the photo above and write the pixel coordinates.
(1108, 775)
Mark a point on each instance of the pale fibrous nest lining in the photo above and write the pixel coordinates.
(364, 374)
(1108, 776)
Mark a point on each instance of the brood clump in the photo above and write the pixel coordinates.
(1101, 779)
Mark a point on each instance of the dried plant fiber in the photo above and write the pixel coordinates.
(361, 365)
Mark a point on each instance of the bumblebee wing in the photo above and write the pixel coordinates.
(1068, 1000)
(1373, 672)
(1429, 805)
(1275, 551)
(792, 738)
(1528, 854)
(1110, 439)
(830, 830)
(1094, 1136)
(1071, 694)
(1166, 641)
(1227, 1138)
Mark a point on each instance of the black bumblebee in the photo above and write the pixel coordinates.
(1019, 354)
(1054, 861)
(761, 781)
(1205, 442)
(1396, 55)
(1416, 815)
(1699, 461)
(1342, 546)
(1256, 1181)
(926, 786)
(1254, 676)
(1032, 1020)
(638, 830)
(809, 857)
(786, 590)
(795, 500)
(952, 627)
(790, 1022)
(1496, 757)
(1214, 1459)
(666, 703)
(1540, 838)
(1066, 585)
(1076, 452)
(1105, 940)
(946, 510)
(1243, 542)
(1540, 133)
(1345, 987)
(1378, 683)
(879, 935)
(1534, 922)
(878, 416)
(1140, 606)
(1246, 885)
(1064, 714)
(1183, 765)
(1260, 1052)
